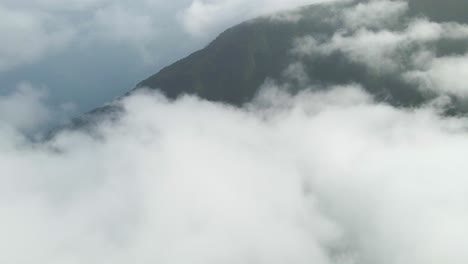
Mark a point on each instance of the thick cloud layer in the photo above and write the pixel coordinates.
(326, 177)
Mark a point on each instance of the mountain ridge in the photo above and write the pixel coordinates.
(232, 68)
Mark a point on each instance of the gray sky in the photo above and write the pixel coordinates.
(328, 176)
(86, 52)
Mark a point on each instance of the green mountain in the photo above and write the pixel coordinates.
(233, 67)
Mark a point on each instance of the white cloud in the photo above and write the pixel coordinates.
(204, 16)
(381, 50)
(325, 178)
(27, 37)
(54, 5)
(445, 74)
(286, 17)
(375, 14)
(321, 177)
(296, 72)
(25, 108)
(117, 23)
(407, 52)
(34, 29)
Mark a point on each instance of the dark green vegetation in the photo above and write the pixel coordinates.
(233, 67)
(441, 10)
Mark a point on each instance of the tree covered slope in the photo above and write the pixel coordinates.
(233, 67)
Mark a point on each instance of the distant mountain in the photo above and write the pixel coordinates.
(233, 67)
(441, 11)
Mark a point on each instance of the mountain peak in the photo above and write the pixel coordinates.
(234, 66)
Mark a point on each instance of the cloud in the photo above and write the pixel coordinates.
(322, 177)
(35, 29)
(381, 49)
(375, 14)
(326, 176)
(117, 23)
(392, 44)
(105, 48)
(204, 16)
(25, 110)
(443, 75)
(28, 36)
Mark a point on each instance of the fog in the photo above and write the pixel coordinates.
(88, 52)
(328, 175)
(322, 177)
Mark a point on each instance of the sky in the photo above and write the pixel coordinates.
(83, 53)
(329, 175)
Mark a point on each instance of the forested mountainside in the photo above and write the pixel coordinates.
(233, 67)
(391, 54)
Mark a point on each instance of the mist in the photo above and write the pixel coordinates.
(319, 177)
(103, 48)
(331, 174)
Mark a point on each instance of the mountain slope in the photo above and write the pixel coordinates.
(233, 67)
(387, 47)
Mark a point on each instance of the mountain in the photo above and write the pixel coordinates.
(233, 67)
(441, 11)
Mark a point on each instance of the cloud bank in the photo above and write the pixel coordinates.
(320, 177)
(326, 176)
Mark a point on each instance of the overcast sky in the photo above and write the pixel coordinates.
(83, 53)
(324, 176)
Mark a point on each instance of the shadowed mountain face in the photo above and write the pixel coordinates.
(233, 67)
(405, 53)
(441, 11)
